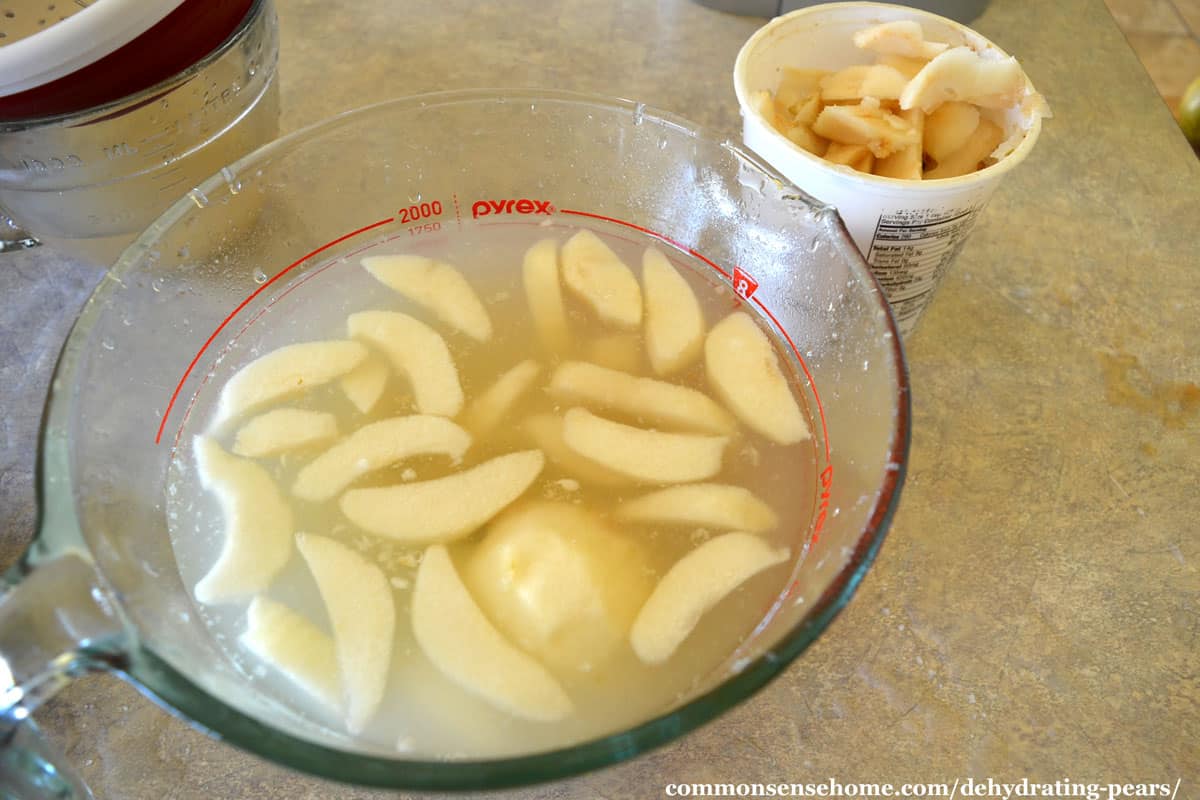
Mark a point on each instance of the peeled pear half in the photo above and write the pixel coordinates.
(443, 509)
(744, 372)
(285, 372)
(595, 274)
(695, 584)
(656, 402)
(455, 635)
(643, 455)
(284, 430)
(418, 352)
(375, 446)
(674, 321)
(437, 287)
(258, 525)
(708, 505)
(358, 599)
(299, 650)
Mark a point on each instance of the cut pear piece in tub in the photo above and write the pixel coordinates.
(418, 352)
(899, 38)
(546, 430)
(674, 321)
(691, 588)
(559, 583)
(656, 402)
(744, 371)
(543, 292)
(709, 505)
(962, 74)
(797, 85)
(364, 385)
(595, 274)
(905, 164)
(866, 124)
(375, 446)
(258, 525)
(284, 430)
(437, 287)
(948, 128)
(863, 80)
(498, 400)
(443, 509)
(643, 455)
(298, 649)
(285, 372)
(970, 157)
(454, 634)
(906, 66)
(362, 614)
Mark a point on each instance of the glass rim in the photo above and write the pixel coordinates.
(160, 681)
(96, 113)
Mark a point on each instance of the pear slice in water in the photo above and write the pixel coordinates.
(284, 430)
(695, 584)
(302, 652)
(418, 352)
(364, 385)
(598, 277)
(543, 292)
(437, 287)
(375, 446)
(643, 455)
(455, 635)
(362, 613)
(708, 505)
(674, 321)
(285, 372)
(443, 509)
(498, 400)
(546, 431)
(744, 371)
(257, 525)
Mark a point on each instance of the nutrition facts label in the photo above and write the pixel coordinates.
(911, 249)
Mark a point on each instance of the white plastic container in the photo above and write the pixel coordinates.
(909, 231)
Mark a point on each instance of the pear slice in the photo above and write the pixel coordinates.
(595, 274)
(962, 74)
(286, 372)
(797, 85)
(905, 65)
(499, 399)
(948, 128)
(855, 156)
(559, 583)
(710, 505)
(655, 402)
(437, 287)
(691, 588)
(364, 385)
(546, 430)
(971, 155)
(284, 430)
(455, 635)
(674, 321)
(744, 372)
(863, 80)
(905, 164)
(644, 455)
(867, 124)
(621, 351)
(258, 525)
(375, 446)
(544, 295)
(899, 38)
(299, 650)
(447, 508)
(418, 352)
(362, 613)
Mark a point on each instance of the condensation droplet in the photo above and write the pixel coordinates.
(108, 344)
(199, 198)
(639, 113)
(158, 283)
(184, 252)
(260, 277)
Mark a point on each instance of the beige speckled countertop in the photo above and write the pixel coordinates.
(1035, 611)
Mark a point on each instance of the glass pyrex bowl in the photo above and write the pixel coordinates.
(146, 344)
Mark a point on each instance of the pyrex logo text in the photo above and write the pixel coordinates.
(483, 208)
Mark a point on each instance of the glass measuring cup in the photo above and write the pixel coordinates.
(87, 182)
(142, 350)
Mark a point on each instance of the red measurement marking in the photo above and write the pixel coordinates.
(457, 210)
(823, 507)
(743, 284)
(418, 211)
(655, 234)
(191, 366)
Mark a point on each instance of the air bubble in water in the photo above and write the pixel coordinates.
(260, 277)
(414, 198)
(108, 344)
(158, 283)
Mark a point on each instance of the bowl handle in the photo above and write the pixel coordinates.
(57, 622)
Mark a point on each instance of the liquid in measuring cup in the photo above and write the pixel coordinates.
(583, 570)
